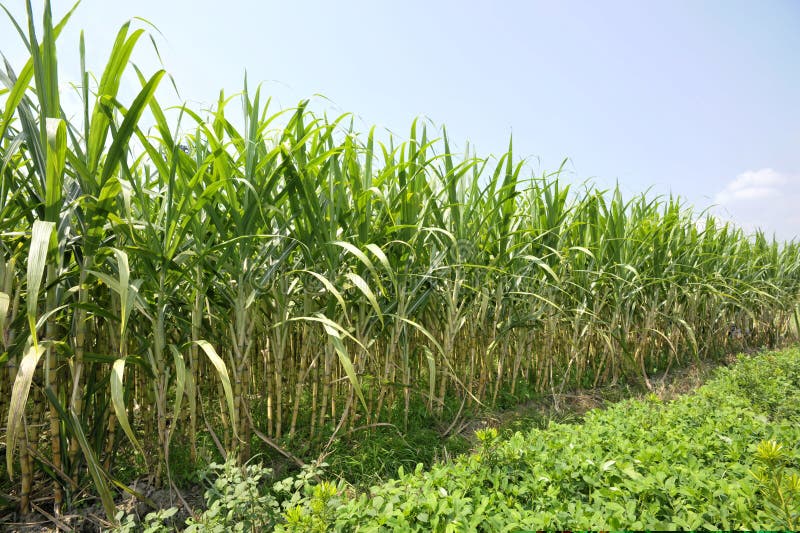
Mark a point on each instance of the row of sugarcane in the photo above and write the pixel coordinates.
(280, 277)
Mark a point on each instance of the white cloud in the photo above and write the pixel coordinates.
(758, 178)
(765, 199)
(752, 184)
(755, 192)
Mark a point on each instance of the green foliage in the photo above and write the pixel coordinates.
(316, 507)
(245, 498)
(779, 486)
(367, 458)
(160, 521)
(237, 499)
(773, 388)
(155, 289)
(709, 460)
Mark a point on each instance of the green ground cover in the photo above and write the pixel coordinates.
(724, 457)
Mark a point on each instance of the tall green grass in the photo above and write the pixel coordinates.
(291, 279)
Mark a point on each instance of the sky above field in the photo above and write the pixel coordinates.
(696, 98)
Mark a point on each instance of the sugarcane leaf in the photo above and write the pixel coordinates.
(124, 289)
(56, 158)
(180, 385)
(329, 287)
(690, 333)
(327, 323)
(358, 254)
(37, 259)
(362, 286)
(118, 402)
(129, 124)
(19, 397)
(5, 301)
(21, 85)
(346, 362)
(431, 372)
(95, 469)
(107, 89)
(222, 371)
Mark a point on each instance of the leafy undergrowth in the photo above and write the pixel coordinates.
(374, 456)
(725, 457)
(687, 464)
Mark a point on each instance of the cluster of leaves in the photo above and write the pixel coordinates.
(779, 486)
(236, 499)
(710, 460)
(156, 522)
(771, 383)
(246, 498)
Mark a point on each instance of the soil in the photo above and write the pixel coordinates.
(569, 407)
(92, 519)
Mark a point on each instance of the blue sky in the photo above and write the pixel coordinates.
(697, 98)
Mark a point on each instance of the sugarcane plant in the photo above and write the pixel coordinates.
(171, 277)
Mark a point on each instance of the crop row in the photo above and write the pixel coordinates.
(278, 278)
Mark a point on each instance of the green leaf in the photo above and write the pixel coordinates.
(19, 398)
(118, 401)
(56, 158)
(123, 136)
(631, 473)
(222, 371)
(5, 301)
(125, 290)
(362, 286)
(347, 364)
(37, 259)
(20, 87)
(180, 385)
(95, 470)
